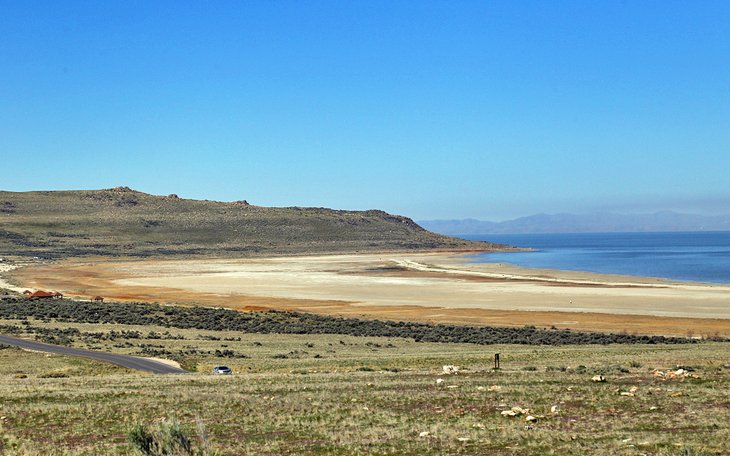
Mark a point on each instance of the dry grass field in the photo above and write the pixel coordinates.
(333, 394)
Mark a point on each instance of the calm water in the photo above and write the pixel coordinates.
(696, 256)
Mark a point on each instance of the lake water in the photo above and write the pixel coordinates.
(695, 256)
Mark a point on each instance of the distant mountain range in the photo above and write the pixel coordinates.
(583, 223)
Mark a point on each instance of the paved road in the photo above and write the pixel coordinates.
(131, 362)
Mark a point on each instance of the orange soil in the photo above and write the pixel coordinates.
(84, 280)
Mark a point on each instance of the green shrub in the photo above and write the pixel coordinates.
(53, 375)
(169, 439)
(276, 322)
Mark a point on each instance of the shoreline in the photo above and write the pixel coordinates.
(588, 277)
(437, 287)
(629, 277)
(707, 276)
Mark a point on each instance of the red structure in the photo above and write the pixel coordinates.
(40, 294)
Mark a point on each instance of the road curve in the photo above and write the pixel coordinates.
(130, 362)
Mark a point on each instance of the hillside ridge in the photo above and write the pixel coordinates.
(121, 221)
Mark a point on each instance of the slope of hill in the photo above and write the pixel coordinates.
(584, 223)
(122, 221)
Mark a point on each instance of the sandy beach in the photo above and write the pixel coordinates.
(438, 287)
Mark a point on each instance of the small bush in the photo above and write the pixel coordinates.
(169, 439)
(53, 375)
(614, 369)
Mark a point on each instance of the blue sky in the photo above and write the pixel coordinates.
(483, 109)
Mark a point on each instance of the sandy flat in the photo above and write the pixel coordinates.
(431, 287)
(4, 269)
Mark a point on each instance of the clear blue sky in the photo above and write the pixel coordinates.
(484, 109)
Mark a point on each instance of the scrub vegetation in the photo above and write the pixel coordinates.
(309, 384)
(300, 323)
(124, 222)
(336, 394)
(305, 384)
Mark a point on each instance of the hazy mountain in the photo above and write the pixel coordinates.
(583, 223)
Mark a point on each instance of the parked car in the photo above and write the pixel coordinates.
(222, 370)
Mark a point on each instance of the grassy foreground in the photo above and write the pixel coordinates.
(337, 394)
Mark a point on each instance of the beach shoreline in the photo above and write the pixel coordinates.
(439, 287)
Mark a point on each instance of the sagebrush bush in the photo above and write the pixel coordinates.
(277, 322)
(169, 439)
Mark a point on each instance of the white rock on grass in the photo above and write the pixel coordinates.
(424, 434)
(450, 370)
(439, 381)
(514, 411)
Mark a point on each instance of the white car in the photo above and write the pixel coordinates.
(223, 370)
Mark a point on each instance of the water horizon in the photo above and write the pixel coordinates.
(694, 256)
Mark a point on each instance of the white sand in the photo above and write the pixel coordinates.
(5, 268)
(433, 280)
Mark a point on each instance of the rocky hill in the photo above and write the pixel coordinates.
(124, 222)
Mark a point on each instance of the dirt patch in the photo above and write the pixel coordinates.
(169, 362)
